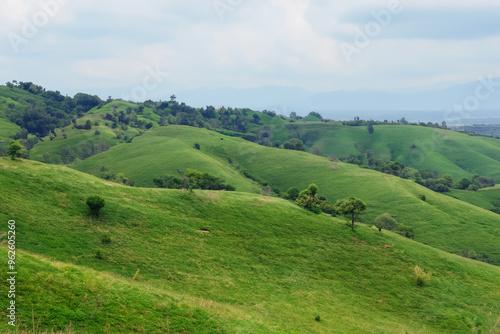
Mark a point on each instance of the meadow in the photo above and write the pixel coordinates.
(473, 228)
(266, 265)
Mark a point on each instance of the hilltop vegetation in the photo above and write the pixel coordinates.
(224, 262)
(61, 129)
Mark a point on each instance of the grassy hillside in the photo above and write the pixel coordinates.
(488, 198)
(158, 153)
(7, 129)
(71, 143)
(473, 228)
(266, 266)
(73, 299)
(423, 148)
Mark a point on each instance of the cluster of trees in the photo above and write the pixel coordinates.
(128, 118)
(294, 144)
(109, 175)
(369, 123)
(192, 179)
(309, 199)
(350, 207)
(46, 110)
(430, 180)
(446, 182)
(369, 160)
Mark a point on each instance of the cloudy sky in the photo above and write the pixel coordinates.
(127, 47)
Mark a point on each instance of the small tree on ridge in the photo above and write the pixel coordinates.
(351, 208)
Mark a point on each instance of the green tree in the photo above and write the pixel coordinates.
(386, 221)
(294, 144)
(308, 200)
(351, 208)
(14, 150)
(447, 180)
(95, 204)
(292, 193)
(464, 183)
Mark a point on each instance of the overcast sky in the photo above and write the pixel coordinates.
(115, 47)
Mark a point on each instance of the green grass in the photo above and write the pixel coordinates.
(152, 155)
(163, 150)
(72, 299)
(78, 140)
(438, 150)
(488, 198)
(7, 129)
(266, 266)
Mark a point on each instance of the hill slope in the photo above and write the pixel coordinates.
(422, 148)
(73, 299)
(473, 228)
(158, 153)
(266, 266)
(488, 198)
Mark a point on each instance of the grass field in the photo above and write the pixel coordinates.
(266, 266)
(422, 148)
(472, 228)
(157, 153)
(488, 198)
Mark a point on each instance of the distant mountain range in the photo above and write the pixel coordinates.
(471, 103)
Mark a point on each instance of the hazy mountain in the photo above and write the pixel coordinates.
(475, 102)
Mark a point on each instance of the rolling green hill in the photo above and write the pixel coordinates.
(488, 198)
(165, 149)
(266, 265)
(422, 148)
(158, 153)
(73, 299)
(70, 144)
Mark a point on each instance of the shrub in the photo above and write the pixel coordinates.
(405, 231)
(421, 277)
(292, 194)
(95, 204)
(99, 255)
(473, 187)
(106, 239)
(386, 221)
(423, 198)
(197, 146)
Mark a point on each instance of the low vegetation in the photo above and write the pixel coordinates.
(267, 265)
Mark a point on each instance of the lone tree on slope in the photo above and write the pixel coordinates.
(14, 150)
(351, 208)
(386, 221)
(95, 204)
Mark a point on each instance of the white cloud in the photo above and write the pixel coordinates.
(94, 45)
